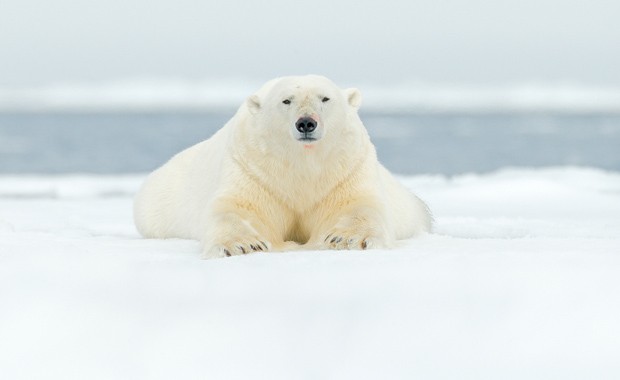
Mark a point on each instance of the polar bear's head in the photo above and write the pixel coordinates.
(306, 108)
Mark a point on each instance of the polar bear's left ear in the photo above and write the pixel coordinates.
(354, 97)
(253, 103)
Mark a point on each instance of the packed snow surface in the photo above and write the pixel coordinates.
(520, 280)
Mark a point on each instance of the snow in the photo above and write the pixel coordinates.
(520, 281)
(157, 94)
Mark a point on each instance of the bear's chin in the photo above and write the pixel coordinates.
(308, 143)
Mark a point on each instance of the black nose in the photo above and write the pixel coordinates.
(305, 125)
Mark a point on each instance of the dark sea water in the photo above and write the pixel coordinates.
(130, 142)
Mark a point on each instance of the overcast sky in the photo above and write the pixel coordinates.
(433, 41)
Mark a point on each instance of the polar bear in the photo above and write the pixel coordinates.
(293, 168)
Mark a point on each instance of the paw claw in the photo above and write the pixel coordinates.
(354, 240)
(234, 249)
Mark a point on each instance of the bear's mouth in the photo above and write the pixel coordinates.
(307, 139)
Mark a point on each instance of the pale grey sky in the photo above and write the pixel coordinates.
(434, 41)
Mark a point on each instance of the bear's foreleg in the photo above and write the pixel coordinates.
(234, 228)
(231, 235)
(360, 225)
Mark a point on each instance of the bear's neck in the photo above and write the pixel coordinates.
(302, 178)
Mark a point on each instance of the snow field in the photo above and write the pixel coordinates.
(520, 280)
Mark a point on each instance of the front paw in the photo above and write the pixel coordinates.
(236, 247)
(342, 239)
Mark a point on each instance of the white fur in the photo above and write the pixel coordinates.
(253, 186)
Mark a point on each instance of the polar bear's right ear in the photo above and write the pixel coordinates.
(253, 103)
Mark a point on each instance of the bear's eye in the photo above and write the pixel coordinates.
(286, 101)
(325, 99)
